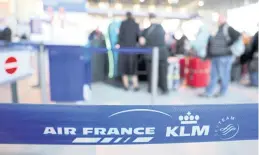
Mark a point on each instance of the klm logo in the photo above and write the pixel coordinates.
(189, 127)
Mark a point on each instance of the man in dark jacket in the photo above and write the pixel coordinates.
(221, 58)
(251, 57)
(128, 38)
(154, 36)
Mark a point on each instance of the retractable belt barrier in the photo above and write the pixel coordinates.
(53, 49)
(122, 50)
(123, 125)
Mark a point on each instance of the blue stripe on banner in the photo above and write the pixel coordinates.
(110, 125)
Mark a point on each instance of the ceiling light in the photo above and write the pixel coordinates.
(103, 5)
(169, 9)
(201, 3)
(151, 8)
(173, 1)
(136, 7)
(118, 6)
(142, 1)
(183, 10)
(110, 14)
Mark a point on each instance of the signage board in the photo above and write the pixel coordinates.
(15, 63)
(124, 125)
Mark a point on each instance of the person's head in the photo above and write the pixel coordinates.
(222, 20)
(152, 17)
(129, 15)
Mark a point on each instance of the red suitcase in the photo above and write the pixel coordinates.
(199, 73)
(197, 63)
(198, 79)
(182, 67)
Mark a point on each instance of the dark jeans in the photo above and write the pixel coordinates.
(162, 75)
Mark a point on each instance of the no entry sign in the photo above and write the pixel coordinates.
(11, 65)
(14, 64)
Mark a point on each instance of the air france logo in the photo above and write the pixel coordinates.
(227, 128)
(188, 123)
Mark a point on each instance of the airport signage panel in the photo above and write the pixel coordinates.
(15, 63)
(123, 125)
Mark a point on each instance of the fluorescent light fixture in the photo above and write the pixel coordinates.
(110, 14)
(201, 3)
(142, 1)
(173, 1)
(151, 8)
(136, 7)
(118, 6)
(103, 5)
(183, 10)
(169, 9)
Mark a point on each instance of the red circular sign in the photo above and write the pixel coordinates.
(11, 65)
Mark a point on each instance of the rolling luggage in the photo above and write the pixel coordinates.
(199, 73)
(182, 67)
(173, 74)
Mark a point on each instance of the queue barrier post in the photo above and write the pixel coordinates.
(42, 80)
(154, 78)
(14, 92)
(38, 56)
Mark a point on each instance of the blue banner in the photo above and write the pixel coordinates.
(113, 125)
(68, 5)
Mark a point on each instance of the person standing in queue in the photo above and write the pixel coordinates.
(128, 38)
(154, 36)
(221, 58)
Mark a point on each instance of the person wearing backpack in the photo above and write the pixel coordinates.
(221, 51)
(154, 36)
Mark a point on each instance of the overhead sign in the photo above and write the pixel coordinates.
(113, 125)
(66, 5)
(11, 65)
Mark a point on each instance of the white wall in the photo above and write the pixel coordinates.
(245, 18)
(25, 9)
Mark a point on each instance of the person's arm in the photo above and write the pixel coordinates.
(254, 46)
(248, 55)
(233, 34)
(91, 36)
(142, 38)
(121, 34)
(163, 32)
(137, 32)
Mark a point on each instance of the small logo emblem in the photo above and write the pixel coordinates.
(189, 118)
(227, 128)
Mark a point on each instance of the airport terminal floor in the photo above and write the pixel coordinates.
(185, 95)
